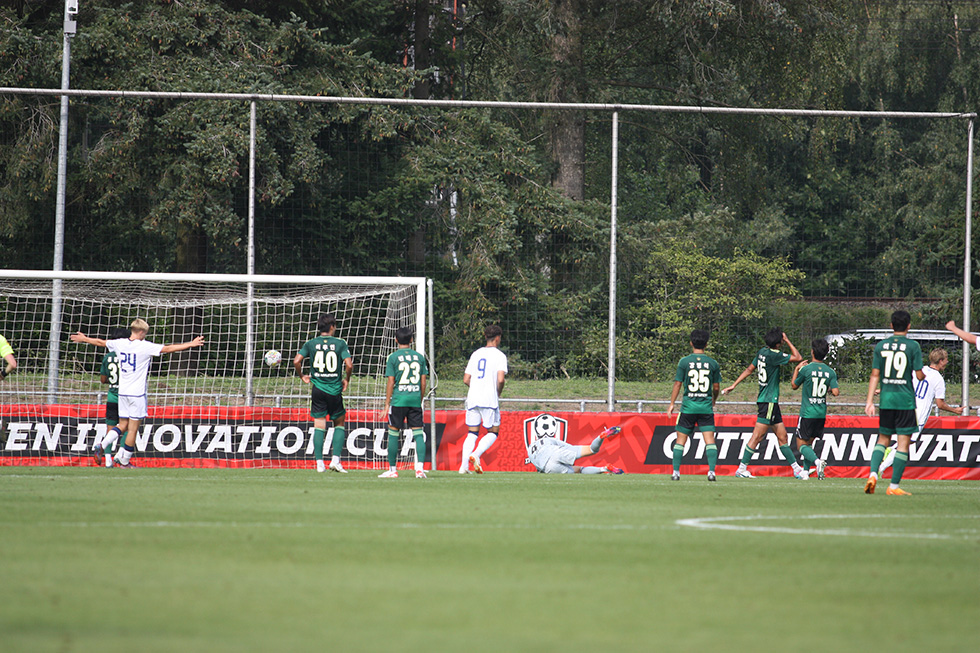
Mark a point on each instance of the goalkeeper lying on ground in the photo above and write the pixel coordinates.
(552, 456)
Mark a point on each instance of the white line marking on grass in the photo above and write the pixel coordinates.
(332, 525)
(721, 523)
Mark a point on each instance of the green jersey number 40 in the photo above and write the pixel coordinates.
(325, 362)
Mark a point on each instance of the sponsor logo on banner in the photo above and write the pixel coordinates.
(852, 446)
(544, 425)
(185, 438)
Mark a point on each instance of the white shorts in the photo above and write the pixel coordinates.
(488, 417)
(131, 407)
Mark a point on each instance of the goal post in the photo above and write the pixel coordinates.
(218, 405)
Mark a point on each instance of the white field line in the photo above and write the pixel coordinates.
(738, 524)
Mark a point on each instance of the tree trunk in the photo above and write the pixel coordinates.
(567, 129)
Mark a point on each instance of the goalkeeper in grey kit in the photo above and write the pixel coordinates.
(550, 455)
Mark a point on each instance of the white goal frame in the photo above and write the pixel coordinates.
(27, 386)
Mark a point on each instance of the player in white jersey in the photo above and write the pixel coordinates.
(484, 375)
(134, 354)
(549, 455)
(931, 389)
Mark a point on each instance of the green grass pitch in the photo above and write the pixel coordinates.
(277, 560)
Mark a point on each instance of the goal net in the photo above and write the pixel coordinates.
(217, 405)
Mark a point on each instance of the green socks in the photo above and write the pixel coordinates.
(747, 455)
(711, 451)
(787, 454)
(419, 435)
(319, 435)
(878, 454)
(898, 466)
(809, 455)
(339, 434)
(678, 454)
(392, 446)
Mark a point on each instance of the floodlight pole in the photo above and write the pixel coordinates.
(54, 340)
(967, 272)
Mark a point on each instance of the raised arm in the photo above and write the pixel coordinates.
(960, 333)
(795, 355)
(741, 377)
(81, 337)
(196, 342)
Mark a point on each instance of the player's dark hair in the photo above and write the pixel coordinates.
(774, 337)
(901, 320)
(699, 338)
(404, 335)
(325, 322)
(820, 348)
(492, 332)
(119, 332)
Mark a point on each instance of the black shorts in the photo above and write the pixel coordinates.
(401, 417)
(326, 405)
(112, 413)
(894, 421)
(769, 413)
(688, 423)
(810, 428)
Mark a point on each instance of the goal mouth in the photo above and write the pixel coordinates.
(219, 403)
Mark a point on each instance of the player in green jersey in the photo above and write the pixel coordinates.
(897, 360)
(109, 375)
(766, 365)
(700, 377)
(816, 378)
(407, 372)
(330, 369)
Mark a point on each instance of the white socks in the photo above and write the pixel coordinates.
(485, 443)
(468, 444)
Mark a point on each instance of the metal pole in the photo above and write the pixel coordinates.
(432, 379)
(612, 265)
(250, 307)
(54, 337)
(967, 273)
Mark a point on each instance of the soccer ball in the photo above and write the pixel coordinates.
(545, 426)
(272, 358)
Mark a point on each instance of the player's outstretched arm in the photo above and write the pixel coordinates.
(960, 333)
(196, 342)
(741, 377)
(942, 405)
(81, 337)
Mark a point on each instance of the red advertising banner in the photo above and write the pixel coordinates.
(948, 448)
(188, 436)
